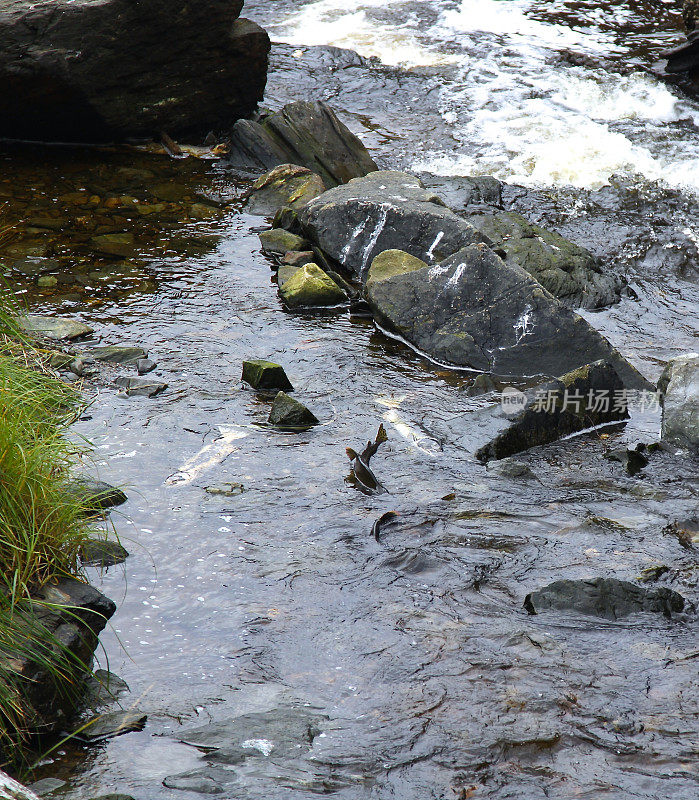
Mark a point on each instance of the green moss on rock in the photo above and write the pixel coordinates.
(266, 376)
(289, 413)
(310, 287)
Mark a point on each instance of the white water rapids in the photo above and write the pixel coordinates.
(513, 109)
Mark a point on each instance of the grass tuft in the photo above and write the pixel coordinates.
(41, 526)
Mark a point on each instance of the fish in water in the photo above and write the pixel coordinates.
(209, 456)
(361, 470)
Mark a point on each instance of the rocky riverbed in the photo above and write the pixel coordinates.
(525, 628)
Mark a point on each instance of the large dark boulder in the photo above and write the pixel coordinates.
(569, 272)
(476, 310)
(384, 211)
(305, 133)
(64, 618)
(88, 70)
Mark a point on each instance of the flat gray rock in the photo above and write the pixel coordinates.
(107, 726)
(117, 354)
(140, 387)
(59, 328)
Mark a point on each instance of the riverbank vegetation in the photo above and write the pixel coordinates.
(41, 526)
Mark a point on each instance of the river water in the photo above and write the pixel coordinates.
(406, 667)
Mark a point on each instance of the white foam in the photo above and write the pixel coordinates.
(331, 22)
(514, 110)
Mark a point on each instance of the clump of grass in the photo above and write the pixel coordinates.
(41, 526)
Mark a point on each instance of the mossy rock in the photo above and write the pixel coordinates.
(286, 186)
(391, 263)
(311, 287)
(289, 413)
(279, 242)
(266, 376)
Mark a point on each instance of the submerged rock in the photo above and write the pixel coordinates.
(266, 376)
(116, 354)
(475, 310)
(679, 388)
(59, 328)
(288, 186)
(140, 387)
(569, 272)
(384, 211)
(102, 553)
(305, 133)
(226, 489)
(94, 495)
(87, 70)
(115, 244)
(107, 726)
(47, 786)
(289, 413)
(608, 598)
(279, 242)
(574, 402)
(309, 286)
(633, 461)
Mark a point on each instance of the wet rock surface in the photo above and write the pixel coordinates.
(10, 789)
(384, 211)
(679, 386)
(140, 387)
(69, 615)
(262, 744)
(93, 494)
(568, 271)
(65, 66)
(608, 598)
(306, 133)
(475, 310)
(310, 287)
(289, 413)
(286, 186)
(266, 376)
(59, 328)
(548, 412)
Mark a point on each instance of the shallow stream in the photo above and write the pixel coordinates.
(406, 667)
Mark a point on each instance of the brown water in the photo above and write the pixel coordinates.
(422, 672)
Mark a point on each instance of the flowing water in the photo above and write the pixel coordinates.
(405, 667)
